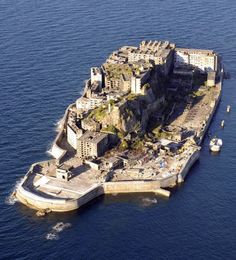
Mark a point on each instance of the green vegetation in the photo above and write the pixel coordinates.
(111, 102)
(129, 113)
(120, 134)
(116, 70)
(137, 144)
(198, 93)
(98, 113)
(146, 86)
(137, 126)
(123, 145)
(110, 129)
(159, 134)
(132, 96)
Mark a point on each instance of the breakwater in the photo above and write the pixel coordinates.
(27, 195)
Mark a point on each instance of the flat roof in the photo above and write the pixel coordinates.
(65, 167)
(195, 50)
(92, 137)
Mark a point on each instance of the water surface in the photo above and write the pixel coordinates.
(46, 50)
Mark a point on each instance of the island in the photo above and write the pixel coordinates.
(137, 127)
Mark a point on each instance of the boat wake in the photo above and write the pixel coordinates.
(52, 236)
(148, 202)
(56, 229)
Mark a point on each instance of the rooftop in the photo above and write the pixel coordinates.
(93, 137)
(196, 51)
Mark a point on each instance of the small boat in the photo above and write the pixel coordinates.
(228, 109)
(215, 144)
(222, 123)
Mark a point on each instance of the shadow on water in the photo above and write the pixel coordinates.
(140, 200)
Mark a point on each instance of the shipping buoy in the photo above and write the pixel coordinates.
(222, 123)
(228, 109)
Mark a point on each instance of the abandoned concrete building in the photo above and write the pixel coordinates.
(92, 144)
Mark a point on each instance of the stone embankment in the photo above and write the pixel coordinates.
(27, 195)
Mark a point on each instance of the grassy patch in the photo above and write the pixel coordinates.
(98, 113)
(123, 145)
(116, 70)
(132, 96)
(138, 144)
(110, 129)
(146, 86)
(159, 134)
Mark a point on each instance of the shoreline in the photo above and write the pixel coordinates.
(28, 194)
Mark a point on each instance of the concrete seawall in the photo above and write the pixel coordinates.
(134, 187)
(56, 151)
(217, 101)
(186, 167)
(36, 201)
(194, 157)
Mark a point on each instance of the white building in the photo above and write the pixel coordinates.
(63, 172)
(96, 75)
(135, 85)
(205, 60)
(138, 81)
(73, 133)
(88, 103)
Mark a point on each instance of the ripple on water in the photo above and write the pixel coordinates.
(53, 234)
(47, 48)
(11, 198)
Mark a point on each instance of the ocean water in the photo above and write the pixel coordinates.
(46, 50)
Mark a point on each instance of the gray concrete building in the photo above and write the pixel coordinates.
(92, 144)
(160, 52)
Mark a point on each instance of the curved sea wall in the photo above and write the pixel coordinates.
(35, 201)
(187, 165)
(56, 151)
(38, 201)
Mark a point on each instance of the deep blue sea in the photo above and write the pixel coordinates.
(46, 50)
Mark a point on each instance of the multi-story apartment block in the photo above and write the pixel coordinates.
(92, 144)
(204, 60)
(159, 52)
(138, 81)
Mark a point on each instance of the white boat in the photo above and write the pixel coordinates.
(228, 109)
(215, 144)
